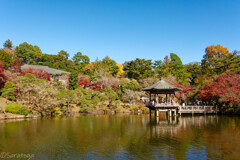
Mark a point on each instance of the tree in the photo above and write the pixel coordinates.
(38, 73)
(186, 92)
(139, 69)
(8, 44)
(111, 96)
(130, 95)
(3, 77)
(127, 84)
(213, 58)
(227, 64)
(5, 58)
(28, 53)
(47, 60)
(110, 65)
(73, 80)
(148, 82)
(162, 69)
(16, 65)
(81, 59)
(178, 69)
(8, 91)
(194, 71)
(225, 88)
(38, 94)
(167, 61)
(213, 52)
(120, 70)
(62, 55)
(83, 81)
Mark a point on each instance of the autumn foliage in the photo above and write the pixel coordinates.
(39, 73)
(225, 88)
(187, 90)
(83, 81)
(3, 77)
(16, 65)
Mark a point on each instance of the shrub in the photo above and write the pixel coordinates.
(17, 108)
(134, 108)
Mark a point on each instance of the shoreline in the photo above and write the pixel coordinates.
(9, 116)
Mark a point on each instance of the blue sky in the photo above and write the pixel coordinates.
(123, 29)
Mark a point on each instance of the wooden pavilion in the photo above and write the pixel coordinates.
(162, 97)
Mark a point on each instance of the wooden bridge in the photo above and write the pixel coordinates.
(197, 109)
(174, 109)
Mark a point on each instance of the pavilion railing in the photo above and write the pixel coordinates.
(162, 104)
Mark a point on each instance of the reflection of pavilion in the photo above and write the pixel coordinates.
(173, 125)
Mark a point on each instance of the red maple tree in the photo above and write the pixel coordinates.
(3, 76)
(225, 88)
(16, 65)
(187, 90)
(83, 81)
(39, 73)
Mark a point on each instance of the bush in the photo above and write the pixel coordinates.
(134, 108)
(17, 108)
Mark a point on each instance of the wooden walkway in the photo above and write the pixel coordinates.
(177, 109)
(197, 109)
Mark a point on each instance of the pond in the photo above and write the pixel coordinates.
(121, 136)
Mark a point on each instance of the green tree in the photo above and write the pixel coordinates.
(162, 69)
(8, 44)
(112, 96)
(139, 69)
(81, 59)
(62, 55)
(127, 84)
(194, 71)
(8, 91)
(28, 53)
(38, 94)
(5, 58)
(213, 58)
(110, 65)
(73, 80)
(177, 68)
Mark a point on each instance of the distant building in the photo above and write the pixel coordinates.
(54, 73)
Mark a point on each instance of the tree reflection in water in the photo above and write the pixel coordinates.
(124, 136)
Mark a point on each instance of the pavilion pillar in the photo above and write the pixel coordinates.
(156, 98)
(170, 113)
(150, 96)
(175, 112)
(166, 97)
(170, 98)
(156, 113)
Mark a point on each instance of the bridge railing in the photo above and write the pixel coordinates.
(198, 108)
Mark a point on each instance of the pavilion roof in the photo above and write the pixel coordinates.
(162, 85)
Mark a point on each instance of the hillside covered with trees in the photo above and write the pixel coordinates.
(104, 84)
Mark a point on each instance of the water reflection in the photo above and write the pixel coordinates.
(124, 137)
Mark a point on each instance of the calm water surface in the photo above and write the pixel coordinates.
(123, 137)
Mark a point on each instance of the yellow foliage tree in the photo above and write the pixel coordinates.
(120, 72)
(217, 51)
